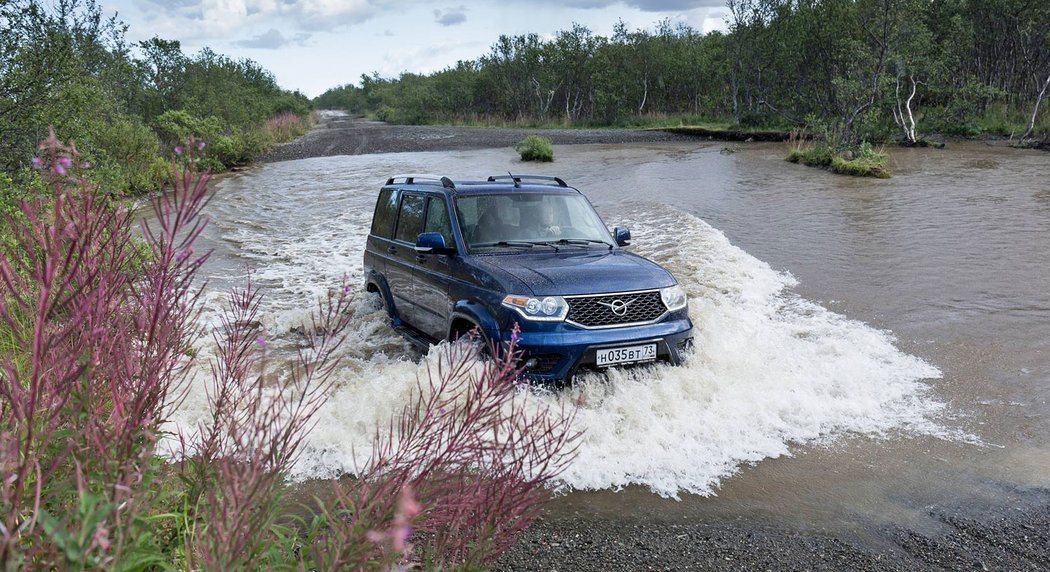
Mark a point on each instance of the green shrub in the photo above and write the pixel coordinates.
(11, 194)
(862, 161)
(176, 126)
(812, 155)
(941, 122)
(859, 168)
(125, 153)
(535, 148)
(757, 120)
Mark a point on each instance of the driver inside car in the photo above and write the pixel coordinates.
(546, 223)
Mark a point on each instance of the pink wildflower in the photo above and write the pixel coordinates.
(401, 529)
(101, 538)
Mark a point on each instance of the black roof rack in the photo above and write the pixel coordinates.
(423, 179)
(519, 178)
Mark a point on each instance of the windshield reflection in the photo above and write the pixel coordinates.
(526, 220)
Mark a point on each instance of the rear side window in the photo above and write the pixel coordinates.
(385, 214)
(410, 220)
(437, 219)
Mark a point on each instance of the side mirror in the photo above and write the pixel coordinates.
(622, 234)
(431, 242)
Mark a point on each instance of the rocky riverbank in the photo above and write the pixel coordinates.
(1009, 538)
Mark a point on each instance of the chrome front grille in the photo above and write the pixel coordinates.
(609, 310)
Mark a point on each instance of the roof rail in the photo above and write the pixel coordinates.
(423, 179)
(519, 178)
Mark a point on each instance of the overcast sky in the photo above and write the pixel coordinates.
(312, 45)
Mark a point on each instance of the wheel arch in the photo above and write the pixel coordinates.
(375, 282)
(468, 314)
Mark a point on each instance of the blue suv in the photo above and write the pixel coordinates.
(449, 258)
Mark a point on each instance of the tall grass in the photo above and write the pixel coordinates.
(103, 340)
(863, 160)
(286, 126)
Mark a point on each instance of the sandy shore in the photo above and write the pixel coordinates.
(1013, 533)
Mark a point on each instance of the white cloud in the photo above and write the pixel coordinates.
(451, 16)
(273, 39)
(429, 59)
(329, 14)
(643, 5)
(219, 19)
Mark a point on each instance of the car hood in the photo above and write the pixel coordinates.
(576, 272)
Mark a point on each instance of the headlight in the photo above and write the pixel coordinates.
(548, 309)
(674, 298)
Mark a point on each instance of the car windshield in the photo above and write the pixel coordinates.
(527, 220)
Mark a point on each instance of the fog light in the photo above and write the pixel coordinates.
(531, 363)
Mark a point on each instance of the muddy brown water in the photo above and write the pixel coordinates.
(886, 342)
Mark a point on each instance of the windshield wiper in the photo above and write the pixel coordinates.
(583, 241)
(504, 243)
(545, 243)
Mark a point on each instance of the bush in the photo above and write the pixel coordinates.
(535, 148)
(285, 127)
(126, 152)
(176, 126)
(812, 155)
(93, 372)
(863, 161)
(99, 342)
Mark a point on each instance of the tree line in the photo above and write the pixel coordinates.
(853, 69)
(66, 64)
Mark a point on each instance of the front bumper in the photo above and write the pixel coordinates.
(563, 350)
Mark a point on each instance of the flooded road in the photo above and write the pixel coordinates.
(867, 348)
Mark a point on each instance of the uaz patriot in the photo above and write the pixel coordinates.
(452, 257)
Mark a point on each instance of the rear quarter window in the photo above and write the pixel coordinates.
(385, 213)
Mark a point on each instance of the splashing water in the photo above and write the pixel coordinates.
(770, 370)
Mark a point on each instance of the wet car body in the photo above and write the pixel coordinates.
(450, 257)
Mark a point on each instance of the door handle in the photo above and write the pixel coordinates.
(421, 258)
(391, 249)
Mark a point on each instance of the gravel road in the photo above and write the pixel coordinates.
(1004, 539)
(346, 136)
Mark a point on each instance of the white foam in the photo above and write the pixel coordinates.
(771, 371)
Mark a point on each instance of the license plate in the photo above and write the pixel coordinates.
(629, 354)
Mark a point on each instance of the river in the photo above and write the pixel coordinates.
(867, 348)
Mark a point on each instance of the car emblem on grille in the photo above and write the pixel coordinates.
(618, 307)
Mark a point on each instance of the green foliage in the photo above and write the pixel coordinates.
(814, 156)
(850, 65)
(176, 126)
(127, 152)
(862, 161)
(237, 149)
(26, 185)
(68, 66)
(535, 148)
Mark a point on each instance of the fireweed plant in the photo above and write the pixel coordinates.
(101, 326)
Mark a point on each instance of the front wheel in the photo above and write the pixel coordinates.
(476, 339)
